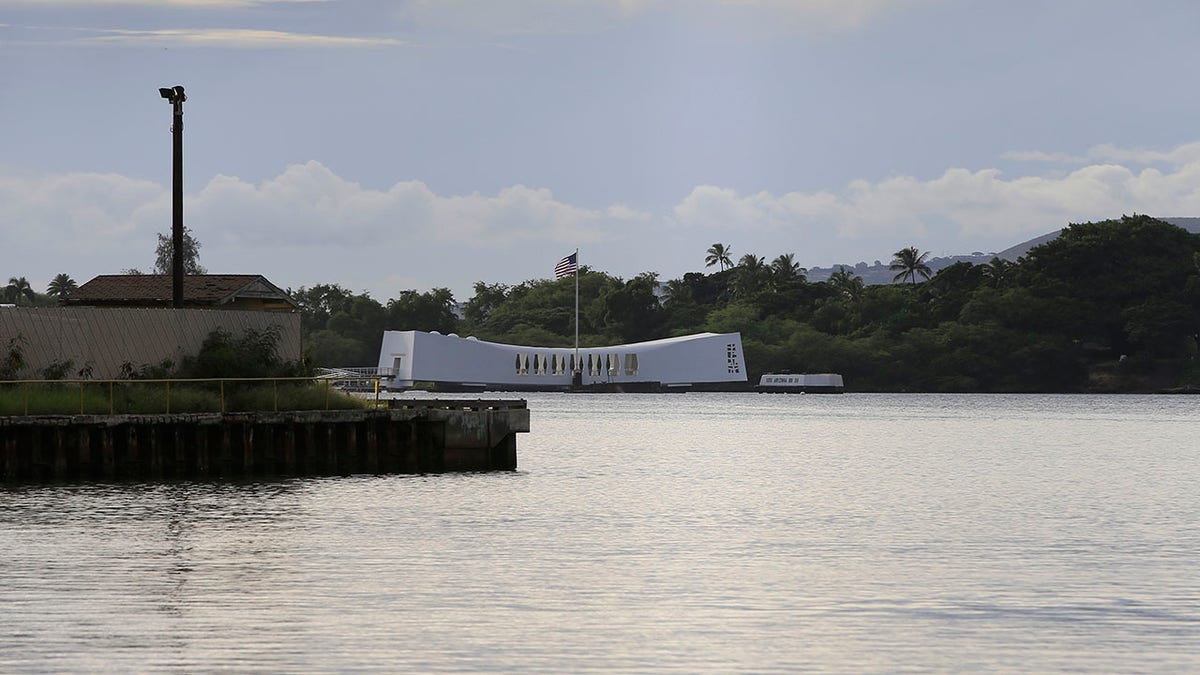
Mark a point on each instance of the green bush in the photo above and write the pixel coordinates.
(254, 354)
(12, 359)
(146, 398)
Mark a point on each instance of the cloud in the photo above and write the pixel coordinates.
(304, 226)
(551, 16)
(959, 204)
(1040, 156)
(152, 3)
(310, 205)
(1178, 156)
(232, 37)
(79, 210)
(309, 225)
(823, 13)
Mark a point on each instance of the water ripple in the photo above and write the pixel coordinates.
(693, 533)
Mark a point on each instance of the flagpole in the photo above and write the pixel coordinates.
(578, 269)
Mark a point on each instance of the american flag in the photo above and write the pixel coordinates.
(567, 266)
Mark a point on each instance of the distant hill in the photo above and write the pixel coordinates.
(1012, 253)
(878, 273)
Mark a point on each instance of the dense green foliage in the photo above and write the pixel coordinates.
(1107, 306)
(344, 329)
(251, 354)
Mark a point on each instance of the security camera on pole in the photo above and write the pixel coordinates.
(176, 97)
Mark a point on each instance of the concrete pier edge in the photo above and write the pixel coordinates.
(411, 436)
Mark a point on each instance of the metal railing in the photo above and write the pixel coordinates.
(56, 403)
(354, 379)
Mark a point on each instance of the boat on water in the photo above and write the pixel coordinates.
(795, 383)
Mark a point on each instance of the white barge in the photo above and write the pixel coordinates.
(792, 383)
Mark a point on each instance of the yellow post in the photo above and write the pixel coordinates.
(377, 392)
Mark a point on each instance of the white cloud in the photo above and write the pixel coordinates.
(958, 204)
(547, 16)
(80, 210)
(151, 3)
(309, 225)
(305, 226)
(309, 204)
(232, 37)
(1040, 156)
(1178, 156)
(1184, 154)
(826, 13)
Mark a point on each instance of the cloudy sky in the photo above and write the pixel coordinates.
(395, 144)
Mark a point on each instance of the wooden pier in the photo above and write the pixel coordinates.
(411, 436)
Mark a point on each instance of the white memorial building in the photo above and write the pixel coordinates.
(452, 362)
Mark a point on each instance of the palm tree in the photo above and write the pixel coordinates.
(61, 286)
(752, 262)
(785, 268)
(998, 271)
(676, 291)
(750, 276)
(718, 254)
(18, 288)
(848, 284)
(909, 263)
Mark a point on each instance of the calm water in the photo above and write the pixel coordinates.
(682, 533)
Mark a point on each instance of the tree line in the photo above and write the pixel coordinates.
(1107, 306)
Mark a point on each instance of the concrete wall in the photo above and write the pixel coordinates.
(105, 338)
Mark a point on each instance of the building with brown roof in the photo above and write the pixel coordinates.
(200, 291)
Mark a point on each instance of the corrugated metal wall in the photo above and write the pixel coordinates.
(105, 338)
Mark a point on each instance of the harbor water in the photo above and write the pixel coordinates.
(675, 533)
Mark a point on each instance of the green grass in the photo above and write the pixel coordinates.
(134, 397)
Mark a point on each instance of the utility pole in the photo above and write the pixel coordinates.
(176, 97)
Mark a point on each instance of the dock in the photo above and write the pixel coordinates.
(410, 436)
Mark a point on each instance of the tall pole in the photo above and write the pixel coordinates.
(177, 207)
(577, 376)
(176, 96)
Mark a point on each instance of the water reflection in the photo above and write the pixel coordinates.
(650, 534)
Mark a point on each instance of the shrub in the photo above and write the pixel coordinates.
(57, 370)
(253, 354)
(12, 360)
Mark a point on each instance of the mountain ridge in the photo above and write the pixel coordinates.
(879, 274)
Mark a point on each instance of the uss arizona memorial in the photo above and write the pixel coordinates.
(450, 361)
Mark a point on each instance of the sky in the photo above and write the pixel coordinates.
(387, 145)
